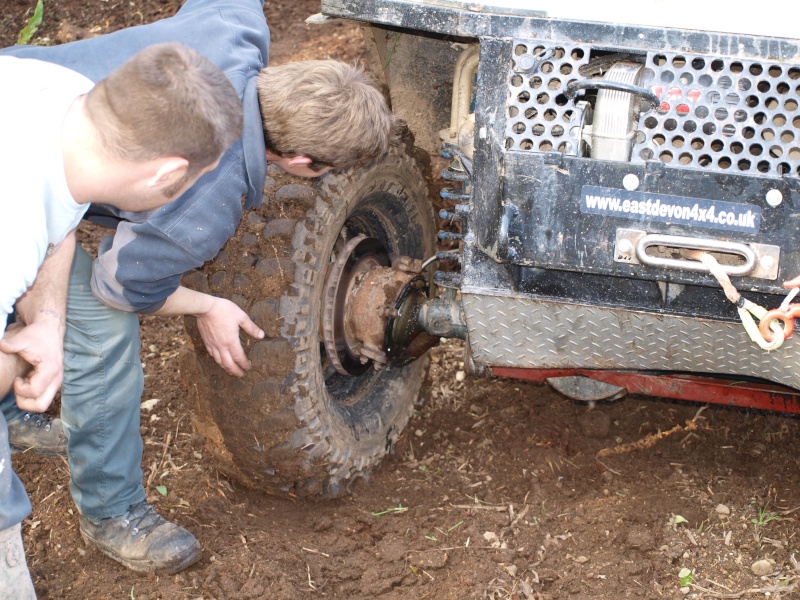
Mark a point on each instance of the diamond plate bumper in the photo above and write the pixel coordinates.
(509, 331)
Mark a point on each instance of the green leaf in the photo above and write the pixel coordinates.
(161, 489)
(685, 576)
(397, 509)
(33, 24)
(679, 519)
(456, 526)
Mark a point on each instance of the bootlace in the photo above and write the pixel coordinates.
(143, 518)
(38, 420)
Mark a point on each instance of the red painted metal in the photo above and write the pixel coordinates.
(695, 388)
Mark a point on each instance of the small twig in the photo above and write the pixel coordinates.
(688, 436)
(315, 552)
(479, 507)
(310, 583)
(718, 584)
(606, 467)
(477, 500)
(519, 517)
(698, 413)
(646, 442)
(455, 548)
(164, 453)
(48, 495)
(178, 426)
(153, 469)
(772, 589)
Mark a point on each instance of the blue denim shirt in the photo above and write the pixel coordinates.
(143, 263)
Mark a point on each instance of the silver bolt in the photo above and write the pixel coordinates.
(767, 262)
(625, 246)
(630, 182)
(525, 62)
(774, 198)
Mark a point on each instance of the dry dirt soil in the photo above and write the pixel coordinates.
(494, 491)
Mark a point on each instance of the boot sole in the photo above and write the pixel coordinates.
(178, 563)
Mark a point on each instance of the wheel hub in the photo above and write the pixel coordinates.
(370, 306)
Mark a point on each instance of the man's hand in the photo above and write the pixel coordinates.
(40, 342)
(40, 345)
(219, 321)
(219, 328)
(11, 365)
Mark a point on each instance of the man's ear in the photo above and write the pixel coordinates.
(169, 170)
(299, 161)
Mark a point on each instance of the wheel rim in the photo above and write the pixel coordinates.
(377, 217)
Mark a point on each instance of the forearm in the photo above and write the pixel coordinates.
(46, 300)
(40, 342)
(218, 321)
(184, 301)
(11, 367)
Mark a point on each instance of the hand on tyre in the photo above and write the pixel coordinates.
(219, 328)
(43, 348)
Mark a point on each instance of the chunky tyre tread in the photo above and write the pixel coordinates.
(279, 428)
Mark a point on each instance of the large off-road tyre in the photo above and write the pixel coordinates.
(292, 424)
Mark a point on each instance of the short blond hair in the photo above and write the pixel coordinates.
(327, 110)
(167, 100)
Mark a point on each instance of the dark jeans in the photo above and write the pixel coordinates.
(100, 398)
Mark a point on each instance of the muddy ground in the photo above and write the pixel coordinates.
(494, 491)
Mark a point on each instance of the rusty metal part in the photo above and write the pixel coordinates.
(370, 308)
(787, 315)
(405, 338)
(359, 256)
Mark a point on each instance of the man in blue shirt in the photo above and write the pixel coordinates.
(140, 267)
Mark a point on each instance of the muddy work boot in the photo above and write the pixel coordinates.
(143, 540)
(38, 433)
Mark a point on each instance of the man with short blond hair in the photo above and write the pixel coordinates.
(325, 110)
(65, 145)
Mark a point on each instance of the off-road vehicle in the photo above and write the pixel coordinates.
(621, 211)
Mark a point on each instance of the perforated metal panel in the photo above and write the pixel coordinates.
(539, 112)
(721, 114)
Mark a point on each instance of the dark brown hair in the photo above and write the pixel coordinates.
(167, 100)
